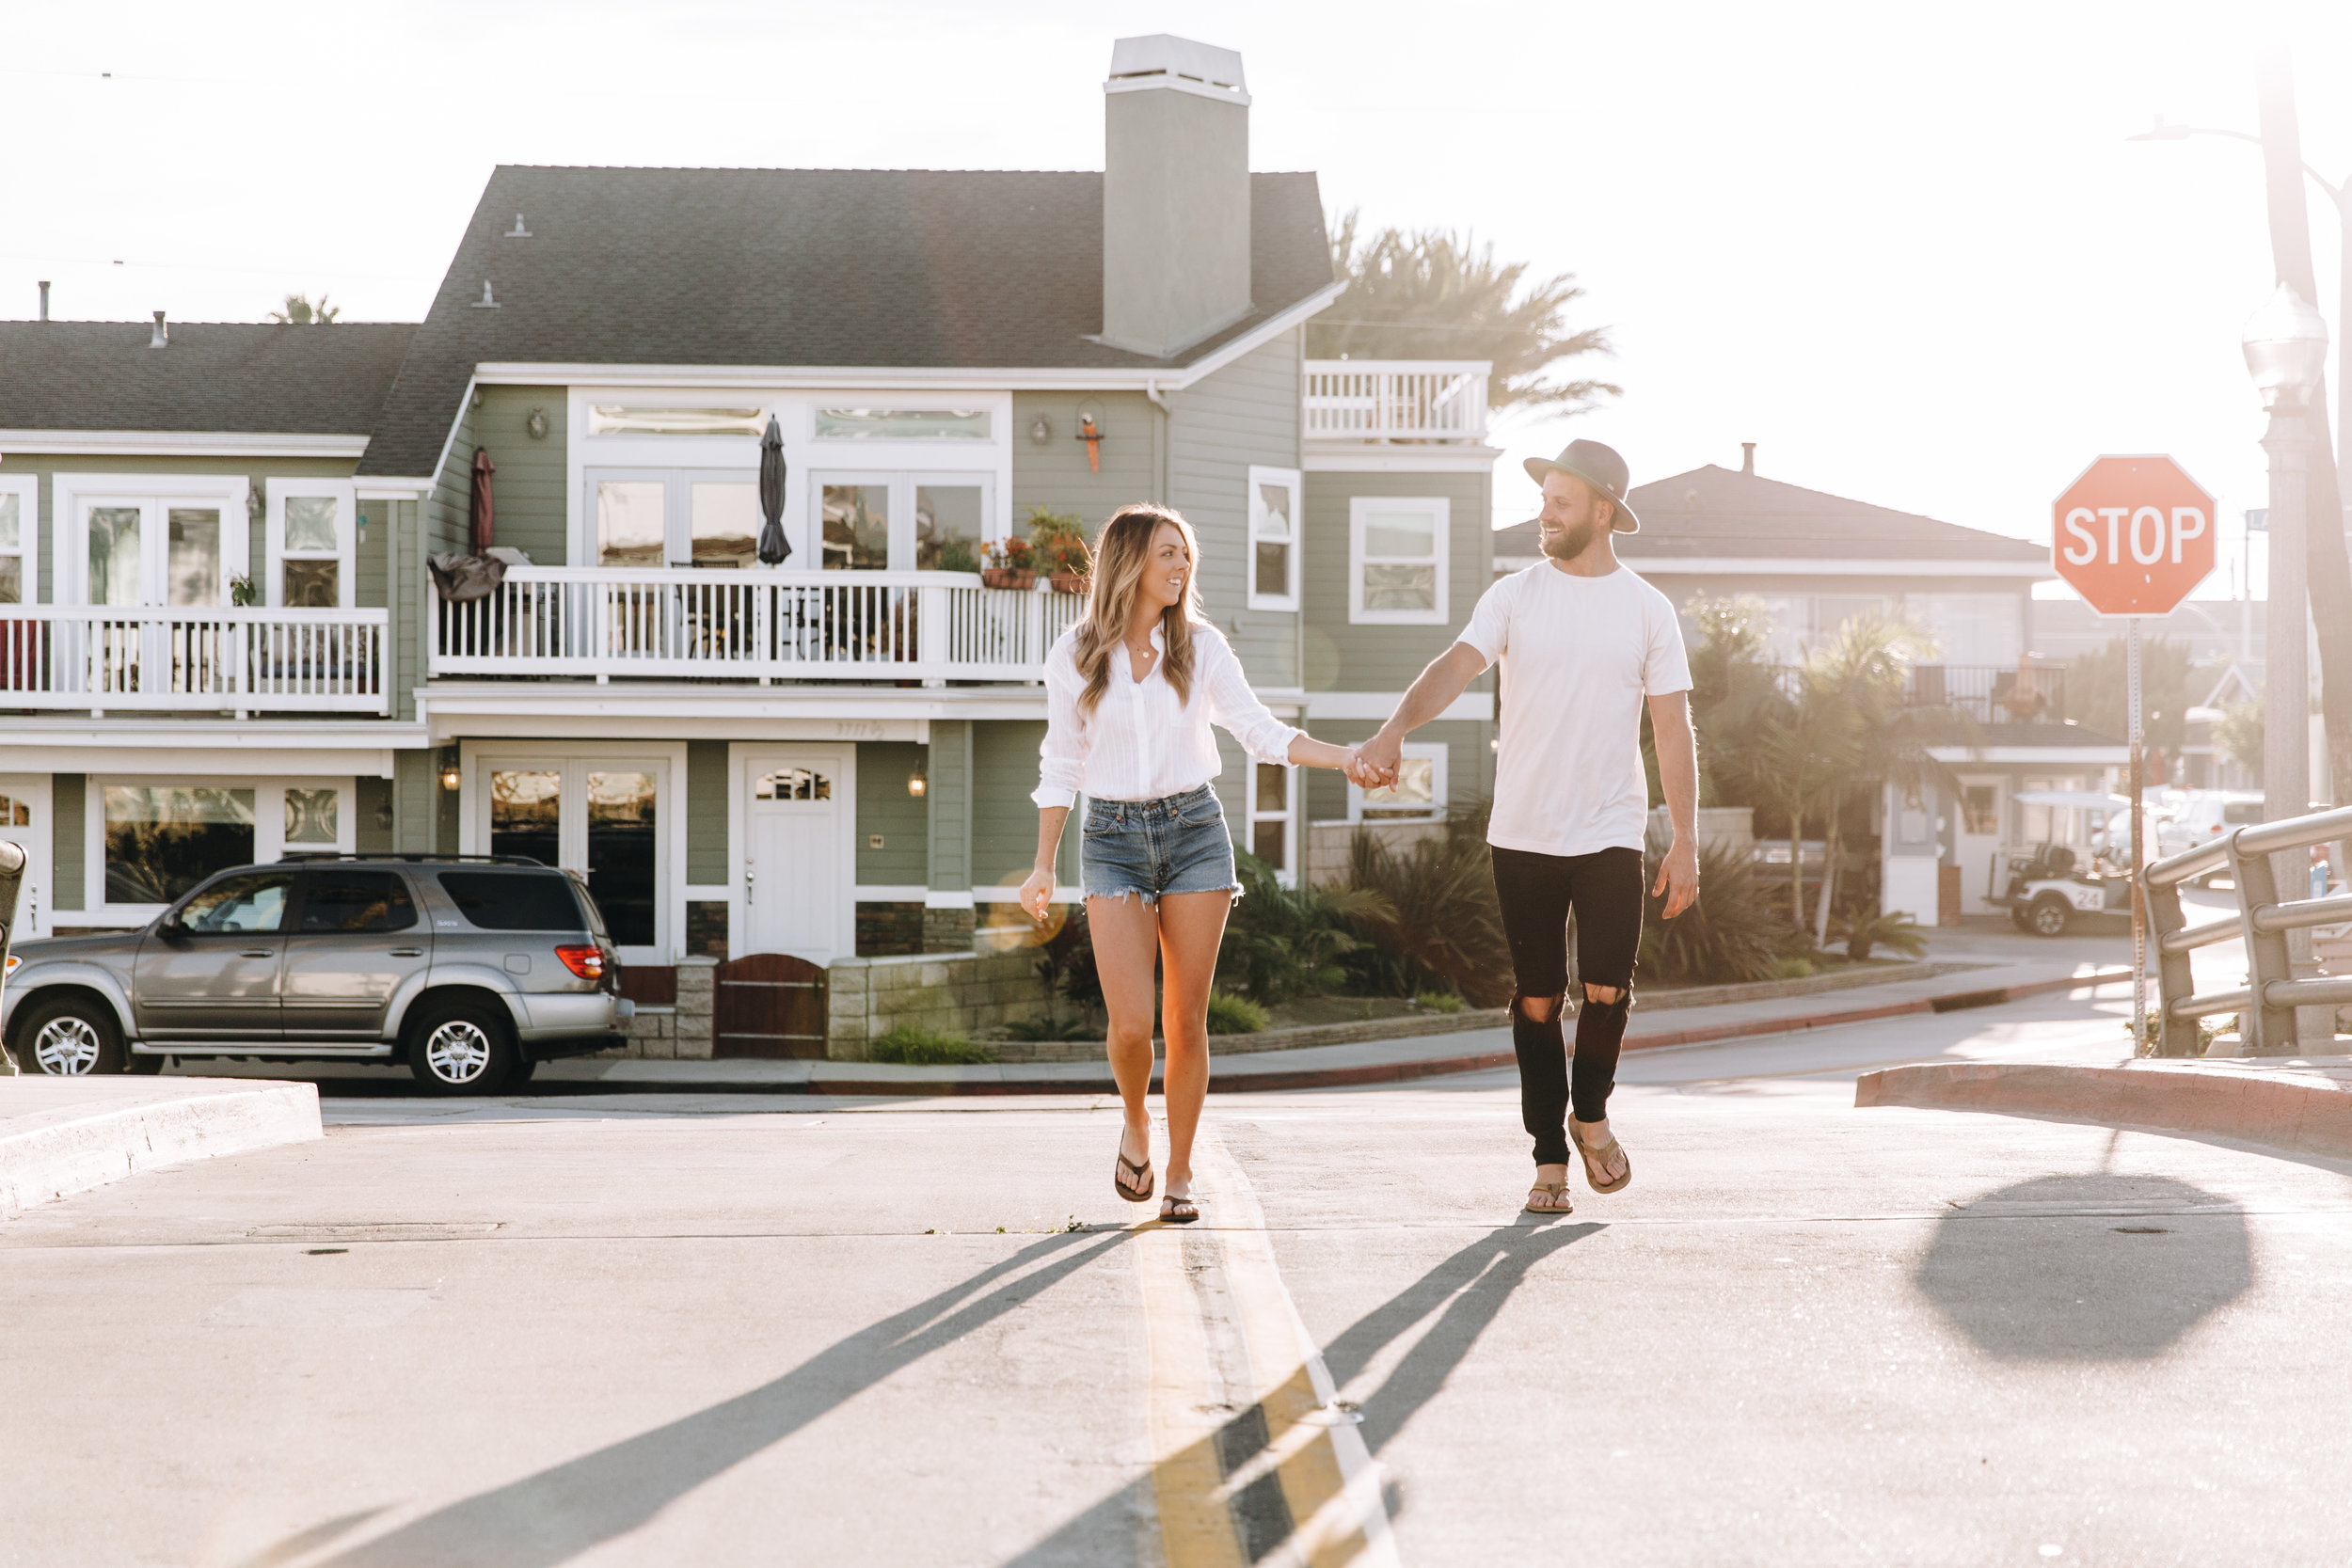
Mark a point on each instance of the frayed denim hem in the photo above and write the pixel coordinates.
(1152, 900)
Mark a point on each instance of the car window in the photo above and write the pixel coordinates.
(355, 902)
(514, 900)
(249, 905)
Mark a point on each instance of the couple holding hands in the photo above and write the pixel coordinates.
(1131, 693)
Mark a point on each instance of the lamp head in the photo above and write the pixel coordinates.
(2286, 349)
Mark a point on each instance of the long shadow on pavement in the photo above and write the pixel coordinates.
(2094, 1266)
(556, 1515)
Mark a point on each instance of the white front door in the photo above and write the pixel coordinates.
(798, 811)
(25, 822)
(1980, 838)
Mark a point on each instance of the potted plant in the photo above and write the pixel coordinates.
(1061, 549)
(1012, 563)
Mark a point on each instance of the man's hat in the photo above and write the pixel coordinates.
(1597, 465)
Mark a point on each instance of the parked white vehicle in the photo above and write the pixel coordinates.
(2201, 815)
(2050, 886)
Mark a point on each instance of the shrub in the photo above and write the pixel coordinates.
(1897, 930)
(1731, 935)
(1235, 1014)
(927, 1048)
(1435, 924)
(1440, 1002)
(1049, 1029)
(1065, 962)
(1283, 943)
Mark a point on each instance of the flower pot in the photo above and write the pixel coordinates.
(1009, 576)
(1069, 582)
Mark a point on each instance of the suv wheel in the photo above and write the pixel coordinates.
(71, 1038)
(461, 1048)
(2049, 915)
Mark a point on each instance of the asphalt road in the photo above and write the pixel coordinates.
(674, 1329)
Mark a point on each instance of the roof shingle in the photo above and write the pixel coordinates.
(227, 376)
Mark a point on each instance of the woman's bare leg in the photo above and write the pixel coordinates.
(1191, 927)
(1126, 937)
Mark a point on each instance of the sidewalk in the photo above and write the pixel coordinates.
(64, 1135)
(1341, 1064)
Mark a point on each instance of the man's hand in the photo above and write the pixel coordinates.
(1679, 878)
(1376, 761)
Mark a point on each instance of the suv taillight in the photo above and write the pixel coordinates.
(586, 962)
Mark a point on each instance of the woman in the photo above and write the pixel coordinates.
(1130, 693)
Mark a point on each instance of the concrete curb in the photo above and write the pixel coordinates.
(2303, 1106)
(1233, 1074)
(58, 1137)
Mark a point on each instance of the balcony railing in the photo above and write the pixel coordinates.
(679, 623)
(1396, 400)
(248, 660)
(1994, 693)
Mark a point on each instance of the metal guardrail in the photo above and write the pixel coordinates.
(2268, 1001)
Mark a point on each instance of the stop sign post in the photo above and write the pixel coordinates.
(2133, 535)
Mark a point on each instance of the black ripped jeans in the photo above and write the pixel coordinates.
(1538, 893)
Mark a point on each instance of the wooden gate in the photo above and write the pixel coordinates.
(769, 1004)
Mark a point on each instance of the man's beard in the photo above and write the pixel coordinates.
(1568, 542)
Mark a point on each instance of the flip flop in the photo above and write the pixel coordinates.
(1596, 1161)
(1142, 1193)
(1557, 1191)
(1179, 1211)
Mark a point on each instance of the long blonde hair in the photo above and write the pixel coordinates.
(1120, 556)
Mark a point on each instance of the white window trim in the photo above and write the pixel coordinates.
(1285, 811)
(26, 488)
(346, 554)
(1437, 752)
(269, 829)
(1441, 540)
(1288, 479)
(573, 758)
(677, 504)
(901, 483)
(68, 494)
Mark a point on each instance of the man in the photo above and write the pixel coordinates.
(1582, 641)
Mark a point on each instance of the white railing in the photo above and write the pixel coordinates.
(250, 661)
(677, 623)
(1396, 400)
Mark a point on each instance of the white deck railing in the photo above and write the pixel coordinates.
(250, 661)
(677, 623)
(1396, 400)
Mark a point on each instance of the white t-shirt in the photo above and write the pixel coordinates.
(1579, 654)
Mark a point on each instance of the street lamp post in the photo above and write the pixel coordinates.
(2286, 353)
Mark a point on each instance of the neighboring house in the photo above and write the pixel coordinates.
(1815, 561)
(829, 759)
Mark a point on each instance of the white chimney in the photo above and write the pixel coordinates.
(162, 338)
(1175, 194)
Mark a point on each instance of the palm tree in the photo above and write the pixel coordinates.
(1430, 294)
(300, 311)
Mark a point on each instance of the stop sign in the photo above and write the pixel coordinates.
(2133, 534)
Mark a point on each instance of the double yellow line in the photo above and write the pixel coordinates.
(1252, 1463)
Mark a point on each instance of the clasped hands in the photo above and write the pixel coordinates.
(1373, 763)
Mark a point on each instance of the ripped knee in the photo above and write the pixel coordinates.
(1610, 999)
(1539, 1009)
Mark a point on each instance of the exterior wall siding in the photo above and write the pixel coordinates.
(69, 818)
(1344, 657)
(886, 808)
(707, 859)
(1246, 413)
(1004, 818)
(1054, 474)
(529, 486)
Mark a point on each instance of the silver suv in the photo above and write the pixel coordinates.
(472, 971)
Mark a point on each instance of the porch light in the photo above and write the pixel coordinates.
(450, 777)
(2286, 349)
(918, 782)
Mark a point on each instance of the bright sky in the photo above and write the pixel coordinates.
(1914, 260)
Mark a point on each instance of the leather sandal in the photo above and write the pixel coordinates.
(1143, 1181)
(1179, 1211)
(1596, 1161)
(1556, 1194)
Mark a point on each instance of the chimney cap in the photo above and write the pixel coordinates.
(162, 336)
(1183, 61)
(1747, 457)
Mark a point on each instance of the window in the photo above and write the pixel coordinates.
(1979, 809)
(514, 900)
(901, 522)
(15, 814)
(176, 540)
(526, 814)
(1972, 628)
(1418, 793)
(794, 784)
(1274, 553)
(161, 842)
(311, 816)
(648, 519)
(240, 906)
(866, 424)
(19, 503)
(309, 563)
(622, 857)
(601, 818)
(1271, 813)
(356, 901)
(611, 419)
(1396, 568)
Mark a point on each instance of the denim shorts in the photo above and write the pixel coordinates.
(1176, 844)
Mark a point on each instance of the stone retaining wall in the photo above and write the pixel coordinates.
(956, 993)
(680, 1032)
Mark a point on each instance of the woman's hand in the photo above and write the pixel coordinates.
(1037, 894)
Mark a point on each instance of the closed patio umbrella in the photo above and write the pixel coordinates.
(479, 508)
(773, 545)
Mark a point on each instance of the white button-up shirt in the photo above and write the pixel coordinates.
(1140, 743)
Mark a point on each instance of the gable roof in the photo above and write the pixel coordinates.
(800, 267)
(227, 376)
(1724, 514)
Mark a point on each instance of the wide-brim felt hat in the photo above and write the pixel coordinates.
(1597, 466)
